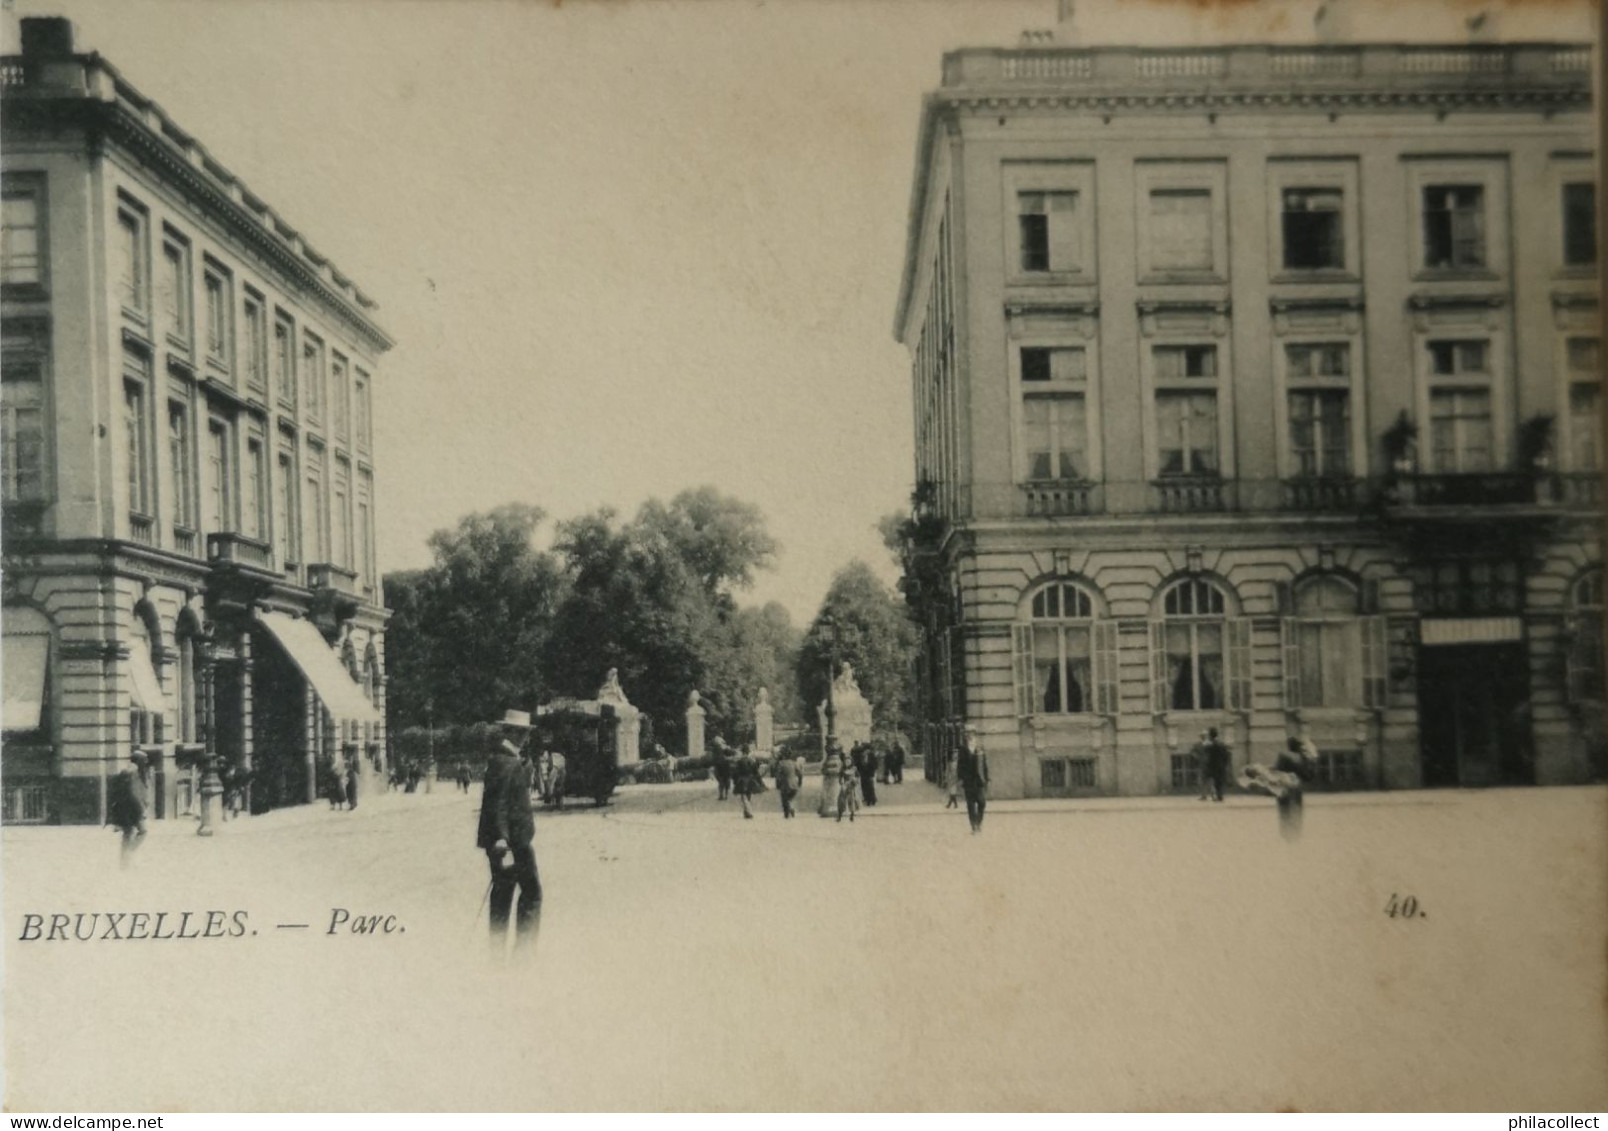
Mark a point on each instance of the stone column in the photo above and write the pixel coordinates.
(695, 727)
(764, 731)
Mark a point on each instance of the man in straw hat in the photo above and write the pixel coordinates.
(506, 830)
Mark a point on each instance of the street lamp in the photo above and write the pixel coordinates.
(829, 622)
(211, 783)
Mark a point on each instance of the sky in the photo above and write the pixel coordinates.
(628, 247)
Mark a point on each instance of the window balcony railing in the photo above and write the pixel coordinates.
(236, 549)
(142, 529)
(1063, 497)
(20, 520)
(1322, 493)
(328, 575)
(1192, 494)
(1476, 489)
(183, 540)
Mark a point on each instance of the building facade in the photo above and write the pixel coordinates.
(189, 498)
(1259, 388)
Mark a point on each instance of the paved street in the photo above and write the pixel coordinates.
(1157, 952)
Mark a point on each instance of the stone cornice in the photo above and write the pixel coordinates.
(1111, 102)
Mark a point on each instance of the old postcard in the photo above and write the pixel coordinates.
(906, 555)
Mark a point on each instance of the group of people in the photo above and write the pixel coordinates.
(340, 786)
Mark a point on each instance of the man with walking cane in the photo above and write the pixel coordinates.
(506, 831)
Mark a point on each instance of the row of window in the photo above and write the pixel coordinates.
(307, 376)
(1182, 221)
(159, 295)
(1335, 653)
(1461, 387)
(229, 486)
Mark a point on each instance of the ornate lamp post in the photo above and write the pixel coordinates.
(211, 783)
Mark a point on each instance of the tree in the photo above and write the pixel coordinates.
(872, 632)
(653, 598)
(467, 634)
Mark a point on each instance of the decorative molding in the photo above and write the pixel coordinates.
(1184, 316)
(1432, 310)
(1340, 314)
(1440, 101)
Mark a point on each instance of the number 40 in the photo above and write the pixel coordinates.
(1404, 907)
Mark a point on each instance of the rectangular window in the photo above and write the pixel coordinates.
(1175, 363)
(341, 514)
(285, 509)
(313, 377)
(1181, 230)
(365, 412)
(1580, 224)
(314, 508)
(1460, 359)
(21, 236)
(1186, 425)
(1314, 234)
(285, 361)
(1055, 432)
(1048, 223)
(1460, 430)
(182, 464)
(1454, 226)
(220, 478)
(136, 429)
(253, 495)
(364, 564)
(218, 308)
(338, 393)
(173, 290)
(131, 260)
(1315, 362)
(1320, 432)
(1585, 404)
(22, 431)
(256, 343)
(1052, 774)
(1058, 364)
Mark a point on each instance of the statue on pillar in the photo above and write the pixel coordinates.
(695, 726)
(764, 724)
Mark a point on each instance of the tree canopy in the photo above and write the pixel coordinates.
(865, 625)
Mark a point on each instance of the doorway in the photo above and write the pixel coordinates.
(1473, 715)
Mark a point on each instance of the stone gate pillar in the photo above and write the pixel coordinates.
(764, 724)
(695, 727)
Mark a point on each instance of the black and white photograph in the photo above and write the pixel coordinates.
(802, 556)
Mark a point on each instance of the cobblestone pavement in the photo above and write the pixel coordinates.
(1151, 952)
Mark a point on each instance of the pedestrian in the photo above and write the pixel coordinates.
(789, 779)
(554, 770)
(865, 763)
(745, 780)
(1218, 758)
(972, 769)
(463, 776)
(127, 800)
(848, 798)
(335, 784)
(952, 778)
(507, 829)
(1285, 783)
(351, 786)
(831, 778)
(722, 766)
(896, 761)
(1198, 757)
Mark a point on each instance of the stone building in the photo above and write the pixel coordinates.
(189, 491)
(1258, 387)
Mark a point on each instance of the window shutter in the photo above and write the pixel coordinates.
(1022, 667)
(1239, 664)
(1283, 598)
(1370, 597)
(1290, 645)
(945, 678)
(1107, 684)
(1375, 685)
(1573, 675)
(1159, 699)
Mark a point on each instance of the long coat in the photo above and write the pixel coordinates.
(972, 768)
(505, 812)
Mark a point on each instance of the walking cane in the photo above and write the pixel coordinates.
(480, 915)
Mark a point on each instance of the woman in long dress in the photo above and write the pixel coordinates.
(831, 780)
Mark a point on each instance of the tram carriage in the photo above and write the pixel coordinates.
(584, 731)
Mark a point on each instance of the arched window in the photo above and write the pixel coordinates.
(1585, 639)
(1189, 664)
(1065, 656)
